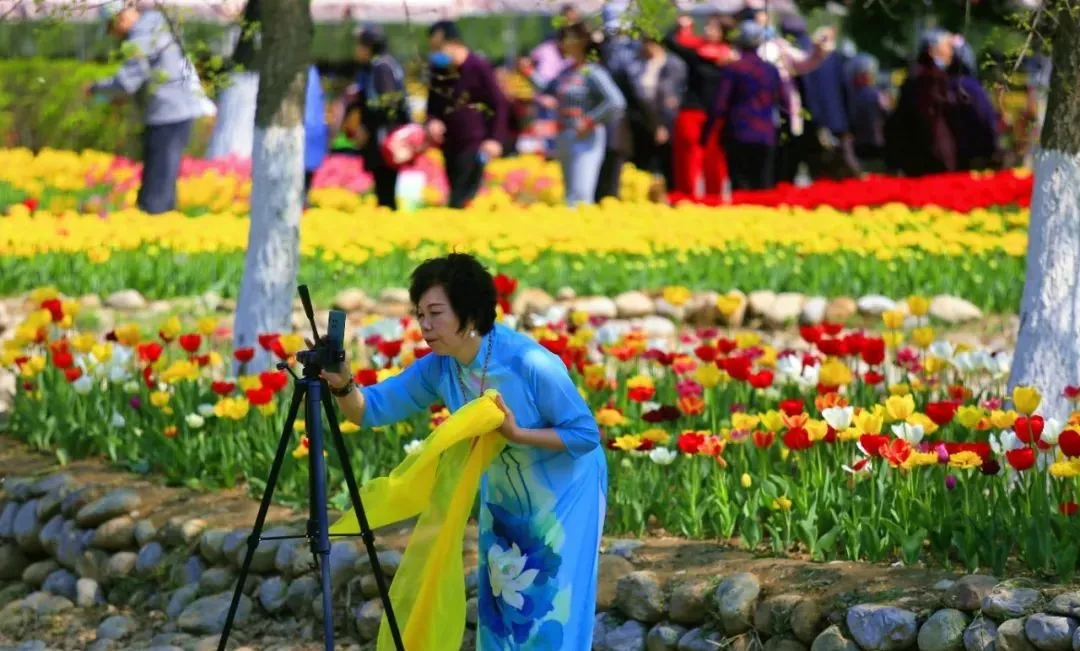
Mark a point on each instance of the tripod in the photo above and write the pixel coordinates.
(312, 391)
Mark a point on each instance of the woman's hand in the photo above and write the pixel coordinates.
(335, 379)
(509, 425)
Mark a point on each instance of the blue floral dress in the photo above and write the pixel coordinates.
(541, 511)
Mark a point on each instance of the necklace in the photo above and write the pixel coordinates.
(483, 374)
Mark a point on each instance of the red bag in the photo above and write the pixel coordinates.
(404, 145)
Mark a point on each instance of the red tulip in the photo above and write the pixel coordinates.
(1021, 459)
(1070, 443)
(1029, 430)
(244, 355)
(191, 342)
(941, 412)
(797, 439)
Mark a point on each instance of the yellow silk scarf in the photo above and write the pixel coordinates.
(438, 482)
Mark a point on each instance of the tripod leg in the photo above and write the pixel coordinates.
(260, 519)
(361, 518)
(317, 471)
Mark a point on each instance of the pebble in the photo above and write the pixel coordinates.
(1050, 632)
(207, 615)
(640, 597)
(944, 631)
(1005, 602)
(980, 635)
(882, 628)
(736, 600)
(115, 504)
(116, 627)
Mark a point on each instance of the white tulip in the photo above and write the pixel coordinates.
(117, 420)
(413, 446)
(662, 456)
(83, 385)
(911, 433)
(1052, 429)
(194, 421)
(205, 410)
(838, 418)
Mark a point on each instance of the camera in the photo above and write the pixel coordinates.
(328, 353)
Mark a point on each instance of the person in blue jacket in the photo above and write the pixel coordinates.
(316, 132)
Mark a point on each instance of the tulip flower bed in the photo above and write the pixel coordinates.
(69, 221)
(877, 445)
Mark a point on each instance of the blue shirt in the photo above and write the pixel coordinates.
(316, 132)
(748, 99)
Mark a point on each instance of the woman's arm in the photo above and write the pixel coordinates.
(611, 98)
(395, 398)
(573, 427)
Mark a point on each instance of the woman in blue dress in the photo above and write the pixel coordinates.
(543, 499)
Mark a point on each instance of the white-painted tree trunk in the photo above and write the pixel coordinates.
(234, 129)
(269, 284)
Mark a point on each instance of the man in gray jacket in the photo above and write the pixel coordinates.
(166, 85)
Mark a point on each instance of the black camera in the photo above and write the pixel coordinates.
(328, 353)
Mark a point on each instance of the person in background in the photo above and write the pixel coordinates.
(587, 99)
(869, 111)
(972, 118)
(467, 113)
(749, 101)
(918, 140)
(827, 146)
(546, 61)
(166, 85)
(379, 100)
(658, 90)
(620, 55)
(316, 133)
(694, 162)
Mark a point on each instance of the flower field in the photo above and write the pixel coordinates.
(69, 221)
(879, 444)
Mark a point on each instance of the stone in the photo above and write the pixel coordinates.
(73, 543)
(33, 645)
(624, 547)
(612, 570)
(12, 561)
(272, 594)
(93, 564)
(882, 628)
(773, 615)
(1076, 641)
(343, 558)
(658, 327)
(813, 310)
(472, 611)
(125, 299)
(116, 627)
(115, 504)
(369, 618)
(216, 579)
(48, 506)
(701, 311)
(784, 643)
(76, 500)
(353, 299)
(701, 639)
(190, 571)
(1005, 602)
(806, 620)
(736, 600)
(148, 562)
(19, 488)
(665, 309)
(1066, 604)
(689, 601)
(1050, 632)
(639, 596)
(664, 637)
(212, 545)
(182, 532)
(633, 304)
(1011, 637)
(88, 593)
(301, 592)
(181, 599)
(737, 316)
(115, 535)
(14, 592)
(27, 528)
(61, 583)
(293, 559)
(784, 309)
(120, 564)
(943, 631)
(875, 305)
(565, 294)
(832, 639)
(263, 560)
(952, 309)
(968, 591)
(759, 301)
(596, 306)
(980, 635)
(145, 532)
(206, 616)
(36, 573)
(50, 534)
(531, 300)
(43, 603)
(7, 519)
(840, 309)
(628, 636)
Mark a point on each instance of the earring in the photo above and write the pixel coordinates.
(473, 334)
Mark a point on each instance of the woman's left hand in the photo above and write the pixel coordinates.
(509, 425)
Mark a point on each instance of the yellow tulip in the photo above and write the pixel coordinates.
(900, 408)
(1026, 399)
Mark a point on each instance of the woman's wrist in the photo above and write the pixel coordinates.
(345, 389)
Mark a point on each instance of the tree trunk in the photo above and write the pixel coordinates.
(234, 128)
(269, 284)
(1048, 348)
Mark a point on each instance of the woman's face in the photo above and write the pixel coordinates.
(438, 323)
(362, 53)
(572, 47)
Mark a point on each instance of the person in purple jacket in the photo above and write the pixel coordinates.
(467, 112)
(750, 102)
(971, 116)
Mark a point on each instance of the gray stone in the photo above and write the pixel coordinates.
(13, 561)
(1076, 640)
(117, 503)
(102, 644)
(171, 638)
(472, 611)
(629, 636)
(18, 488)
(813, 310)
(206, 616)
(968, 592)
(61, 583)
(882, 628)
(773, 615)
(48, 506)
(293, 559)
(1005, 602)
(43, 603)
(145, 532)
(784, 643)
(944, 631)
(612, 570)
(664, 637)
(54, 483)
(343, 558)
(980, 635)
(1011, 636)
(784, 309)
(701, 639)
(633, 304)
(1066, 605)
(212, 545)
(181, 599)
(272, 594)
(300, 593)
(690, 601)
(13, 592)
(73, 543)
(1050, 632)
(263, 560)
(36, 573)
(952, 309)
(875, 304)
(88, 593)
(148, 562)
(121, 564)
(7, 518)
(118, 534)
(602, 623)
(624, 548)
(806, 620)
(189, 572)
(50, 534)
(215, 580)
(369, 618)
(736, 600)
(27, 528)
(93, 564)
(182, 532)
(74, 501)
(125, 299)
(640, 597)
(832, 639)
(32, 645)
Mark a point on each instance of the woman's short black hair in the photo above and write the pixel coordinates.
(467, 284)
